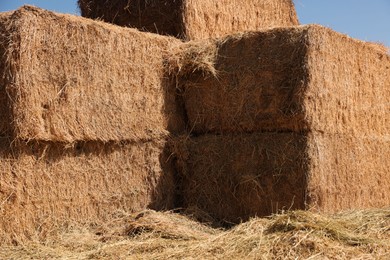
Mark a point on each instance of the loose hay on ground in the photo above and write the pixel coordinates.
(193, 19)
(305, 78)
(289, 235)
(69, 79)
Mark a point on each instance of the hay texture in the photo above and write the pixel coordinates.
(4, 115)
(292, 235)
(305, 78)
(235, 177)
(68, 79)
(193, 19)
(44, 185)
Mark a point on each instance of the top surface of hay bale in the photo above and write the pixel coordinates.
(70, 78)
(193, 19)
(291, 79)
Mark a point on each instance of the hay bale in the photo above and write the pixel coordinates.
(305, 78)
(44, 186)
(4, 115)
(70, 79)
(190, 19)
(235, 177)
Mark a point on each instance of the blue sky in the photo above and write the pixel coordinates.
(364, 19)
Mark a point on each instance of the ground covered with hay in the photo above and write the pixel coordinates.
(155, 235)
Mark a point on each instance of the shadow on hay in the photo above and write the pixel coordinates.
(167, 195)
(232, 178)
(138, 14)
(245, 154)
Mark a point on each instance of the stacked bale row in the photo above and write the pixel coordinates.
(86, 113)
(293, 117)
(192, 19)
(285, 118)
(88, 109)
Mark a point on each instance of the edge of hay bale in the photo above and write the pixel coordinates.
(348, 85)
(284, 79)
(4, 118)
(348, 172)
(73, 79)
(235, 177)
(210, 19)
(189, 19)
(158, 16)
(45, 185)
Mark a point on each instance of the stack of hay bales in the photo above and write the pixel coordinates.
(86, 112)
(293, 117)
(285, 118)
(192, 19)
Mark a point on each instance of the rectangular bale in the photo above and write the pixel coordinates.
(348, 172)
(46, 185)
(235, 177)
(193, 19)
(305, 78)
(4, 115)
(69, 79)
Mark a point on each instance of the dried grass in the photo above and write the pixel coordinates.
(348, 172)
(237, 176)
(72, 79)
(157, 16)
(189, 19)
(209, 19)
(4, 121)
(44, 186)
(291, 235)
(306, 78)
(192, 58)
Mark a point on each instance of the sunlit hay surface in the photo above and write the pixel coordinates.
(302, 78)
(153, 235)
(46, 185)
(67, 79)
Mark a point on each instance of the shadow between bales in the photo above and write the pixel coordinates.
(233, 178)
(166, 194)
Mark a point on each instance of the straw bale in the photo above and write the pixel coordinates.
(305, 78)
(193, 19)
(348, 172)
(4, 116)
(235, 177)
(44, 186)
(70, 79)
